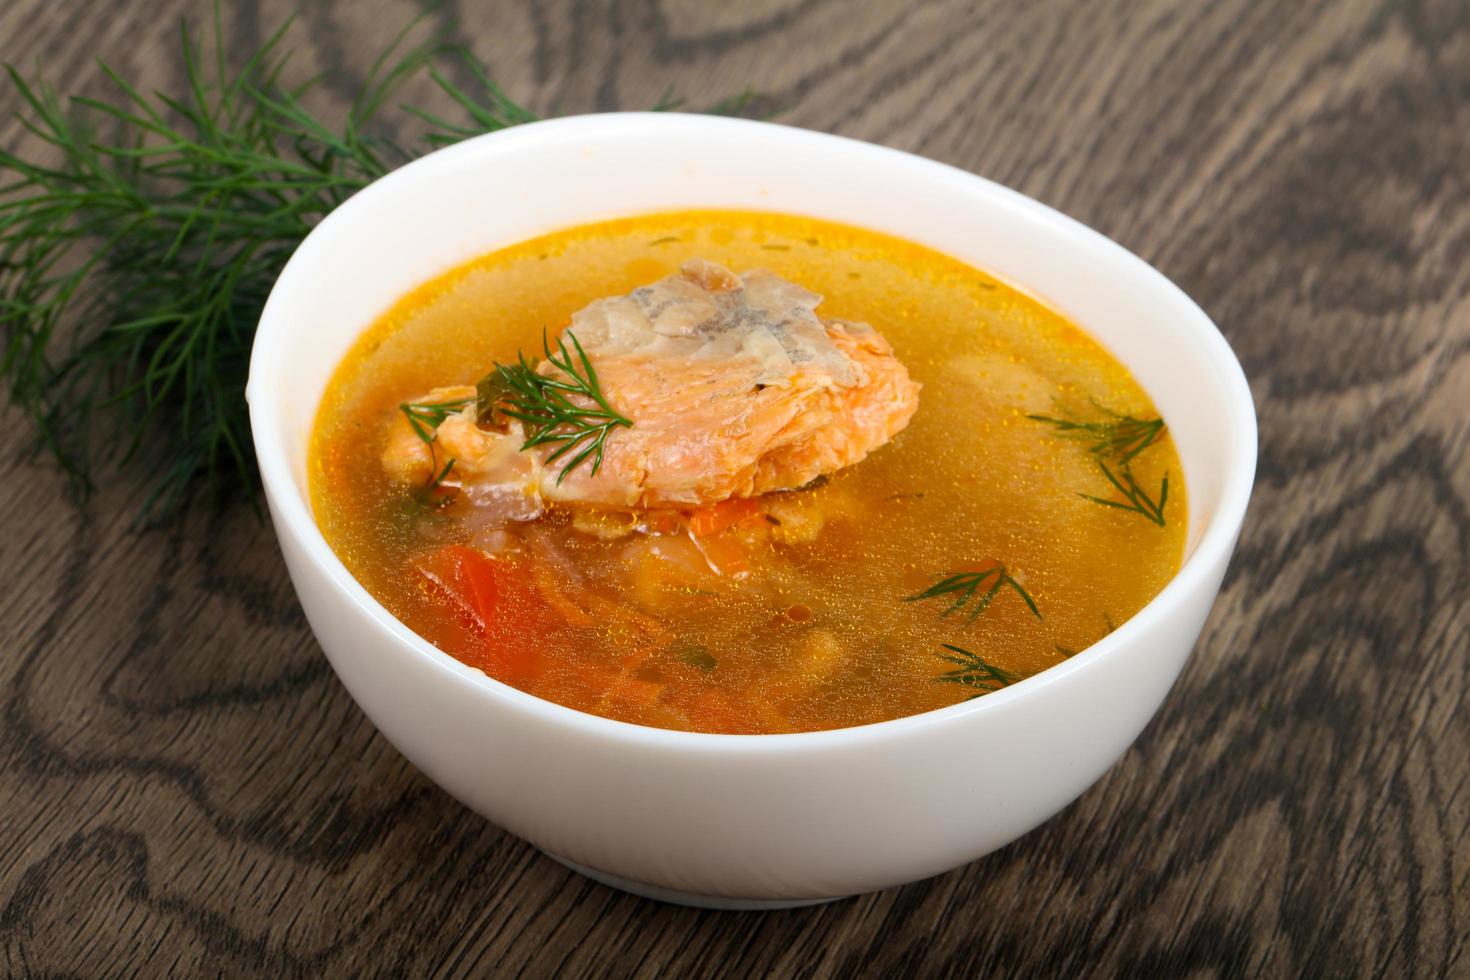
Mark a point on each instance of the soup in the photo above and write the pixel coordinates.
(826, 478)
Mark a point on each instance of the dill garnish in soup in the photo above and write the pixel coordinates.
(734, 472)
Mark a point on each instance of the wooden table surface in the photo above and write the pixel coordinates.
(186, 789)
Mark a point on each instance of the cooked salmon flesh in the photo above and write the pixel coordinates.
(733, 385)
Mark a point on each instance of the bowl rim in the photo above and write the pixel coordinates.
(293, 515)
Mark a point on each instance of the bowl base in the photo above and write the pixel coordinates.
(691, 899)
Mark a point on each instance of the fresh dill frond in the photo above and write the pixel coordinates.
(437, 480)
(427, 501)
(697, 655)
(426, 417)
(1135, 498)
(139, 242)
(965, 586)
(544, 403)
(973, 671)
(486, 112)
(1117, 439)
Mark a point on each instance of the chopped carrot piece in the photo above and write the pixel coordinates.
(709, 521)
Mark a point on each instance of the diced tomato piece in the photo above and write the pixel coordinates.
(494, 600)
(466, 581)
(709, 521)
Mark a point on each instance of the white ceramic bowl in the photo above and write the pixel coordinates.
(743, 820)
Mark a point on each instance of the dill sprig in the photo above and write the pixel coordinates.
(1117, 440)
(133, 269)
(974, 671)
(428, 492)
(1118, 437)
(1135, 498)
(138, 246)
(426, 417)
(965, 586)
(544, 403)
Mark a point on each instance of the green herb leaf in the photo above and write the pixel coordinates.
(544, 403)
(137, 252)
(426, 417)
(973, 671)
(964, 586)
(1117, 439)
(438, 479)
(1135, 498)
(697, 655)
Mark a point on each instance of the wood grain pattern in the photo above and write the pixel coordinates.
(185, 789)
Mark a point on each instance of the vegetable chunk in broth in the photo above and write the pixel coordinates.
(744, 472)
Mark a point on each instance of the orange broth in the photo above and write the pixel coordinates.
(804, 629)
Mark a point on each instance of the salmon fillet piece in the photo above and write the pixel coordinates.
(735, 387)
